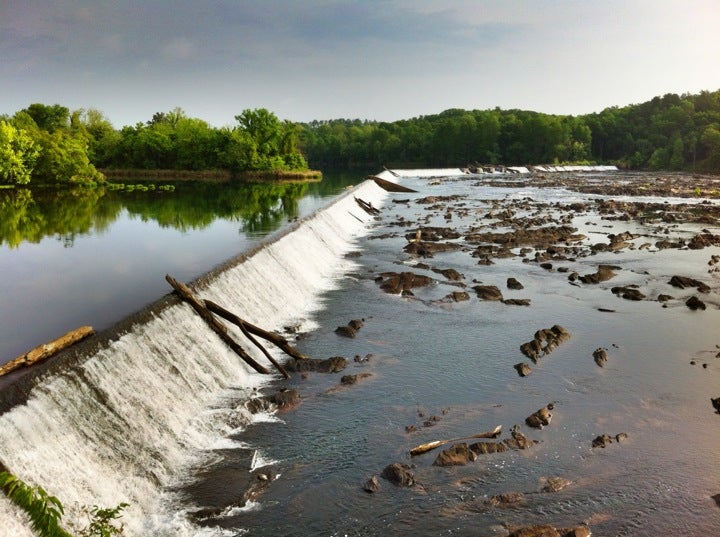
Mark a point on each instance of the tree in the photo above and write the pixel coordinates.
(49, 118)
(17, 155)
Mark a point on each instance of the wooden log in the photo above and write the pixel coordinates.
(277, 340)
(424, 448)
(367, 207)
(46, 350)
(217, 327)
(389, 186)
(241, 324)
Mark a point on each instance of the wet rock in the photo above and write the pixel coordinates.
(523, 369)
(664, 298)
(717, 499)
(428, 249)
(488, 292)
(396, 283)
(544, 342)
(555, 484)
(703, 240)
(682, 282)
(600, 356)
(694, 303)
(483, 448)
(433, 234)
(628, 293)
(545, 530)
(516, 301)
(507, 499)
(285, 399)
(349, 380)
(716, 404)
(540, 417)
(450, 274)
(372, 485)
(603, 273)
(457, 455)
(512, 283)
(605, 439)
(329, 365)
(457, 296)
(518, 440)
(398, 474)
(546, 266)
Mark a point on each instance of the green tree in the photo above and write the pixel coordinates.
(17, 155)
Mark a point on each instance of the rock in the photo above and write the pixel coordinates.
(546, 266)
(349, 380)
(457, 296)
(519, 440)
(346, 331)
(512, 283)
(602, 441)
(540, 418)
(507, 499)
(523, 369)
(535, 531)
(516, 301)
(488, 292)
(555, 484)
(399, 475)
(694, 303)
(457, 455)
(620, 437)
(545, 341)
(628, 293)
(450, 274)
(286, 399)
(664, 298)
(600, 356)
(682, 282)
(427, 249)
(396, 283)
(372, 485)
(717, 499)
(483, 448)
(716, 404)
(329, 365)
(604, 273)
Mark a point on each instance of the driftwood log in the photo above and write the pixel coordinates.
(219, 328)
(367, 207)
(244, 327)
(389, 186)
(46, 350)
(424, 448)
(277, 340)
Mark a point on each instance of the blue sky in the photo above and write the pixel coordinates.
(323, 59)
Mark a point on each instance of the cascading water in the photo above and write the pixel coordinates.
(127, 420)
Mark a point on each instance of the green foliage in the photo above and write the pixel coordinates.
(44, 511)
(18, 154)
(102, 522)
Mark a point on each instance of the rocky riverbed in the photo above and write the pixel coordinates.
(609, 427)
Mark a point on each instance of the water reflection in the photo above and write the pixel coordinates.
(28, 216)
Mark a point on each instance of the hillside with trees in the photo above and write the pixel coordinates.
(49, 144)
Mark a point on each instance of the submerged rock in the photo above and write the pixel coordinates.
(694, 303)
(523, 369)
(600, 356)
(545, 530)
(329, 365)
(555, 484)
(540, 417)
(397, 283)
(506, 499)
(488, 292)
(399, 475)
(372, 485)
(457, 455)
(628, 293)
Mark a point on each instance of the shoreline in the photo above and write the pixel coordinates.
(214, 176)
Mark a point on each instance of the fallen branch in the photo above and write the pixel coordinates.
(367, 207)
(424, 448)
(217, 327)
(280, 341)
(244, 327)
(46, 350)
(389, 186)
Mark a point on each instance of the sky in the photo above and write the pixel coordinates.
(381, 60)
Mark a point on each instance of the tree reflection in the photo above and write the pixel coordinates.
(32, 215)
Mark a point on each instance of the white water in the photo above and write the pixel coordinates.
(127, 423)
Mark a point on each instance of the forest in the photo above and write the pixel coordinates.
(49, 144)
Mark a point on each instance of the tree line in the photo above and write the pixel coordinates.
(49, 144)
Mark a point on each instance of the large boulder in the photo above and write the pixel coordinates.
(457, 455)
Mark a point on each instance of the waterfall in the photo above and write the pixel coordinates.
(128, 419)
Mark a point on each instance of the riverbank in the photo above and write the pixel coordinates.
(215, 176)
